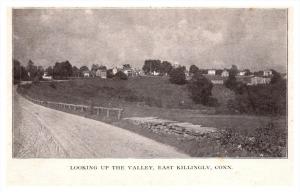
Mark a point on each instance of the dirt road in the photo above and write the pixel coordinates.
(40, 132)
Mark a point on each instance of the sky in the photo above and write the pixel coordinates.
(254, 39)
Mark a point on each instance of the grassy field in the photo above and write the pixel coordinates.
(153, 96)
(149, 96)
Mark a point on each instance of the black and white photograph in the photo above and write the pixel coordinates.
(150, 83)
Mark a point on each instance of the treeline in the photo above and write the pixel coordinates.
(30, 72)
(158, 66)
(60, 70)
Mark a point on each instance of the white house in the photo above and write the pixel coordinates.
(46, 76)
(242, 73)
(86, 74)
(128, 72)
(114, 70)
(267, 73)
(155, 73)
(225, 73)
(101, 73)
(259, 80)
(211, 72)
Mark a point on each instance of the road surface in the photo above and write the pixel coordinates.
(40, 132)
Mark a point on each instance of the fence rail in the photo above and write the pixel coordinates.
(109, 112)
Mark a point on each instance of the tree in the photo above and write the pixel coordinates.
(49, 71)
(109, 73)
(103, 67)
(94, 67)
(231, 82)
(126, 66)
(233, 71)
(193, 69)
(151, 65)
(247, 72)
(31, 69)
(75, 71)
(200, 90)
(62, 70)
(177, 76)
(120, 75)
(40, 72)
(276, 77)
(258, 73)
(82, 69)
(165, 67)
(19, 72)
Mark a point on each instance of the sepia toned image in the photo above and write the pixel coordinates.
(150, 83)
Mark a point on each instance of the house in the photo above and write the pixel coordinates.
(225, 73)
(86, 73)
(115, 70)
(267, 73)
(255, 80)
(46, 76)
(128, 72)
(155, 73)
(102, 73)
(211, 72)
(242, 73)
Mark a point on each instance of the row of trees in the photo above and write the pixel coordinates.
(161, 67)
(30, 72)
(60, 70)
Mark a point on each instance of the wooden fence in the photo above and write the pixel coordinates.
(108, 112)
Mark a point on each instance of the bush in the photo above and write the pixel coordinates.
(200, 90)
(177, 76)
(120, 75)
(109, 73)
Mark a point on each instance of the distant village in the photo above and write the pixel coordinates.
(216, 76)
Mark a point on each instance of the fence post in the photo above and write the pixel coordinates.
(119, 114)
(107, 112)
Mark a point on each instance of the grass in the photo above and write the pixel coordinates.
(155, 96)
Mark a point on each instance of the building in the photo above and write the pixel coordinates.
(242, 73)
(86, 74)
(46, 76)
(267, 73)
(128, 72)
(225, 73)
(211, 72)
(155, 73)
(255, 80)
(115, 70)
(102, 73)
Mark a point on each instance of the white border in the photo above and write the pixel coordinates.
(96, 3)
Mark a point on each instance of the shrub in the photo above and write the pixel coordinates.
(177, 76)
(200, 90)
(120, 75)
(109, 73)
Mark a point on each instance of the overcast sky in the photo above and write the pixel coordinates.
(209, 38)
